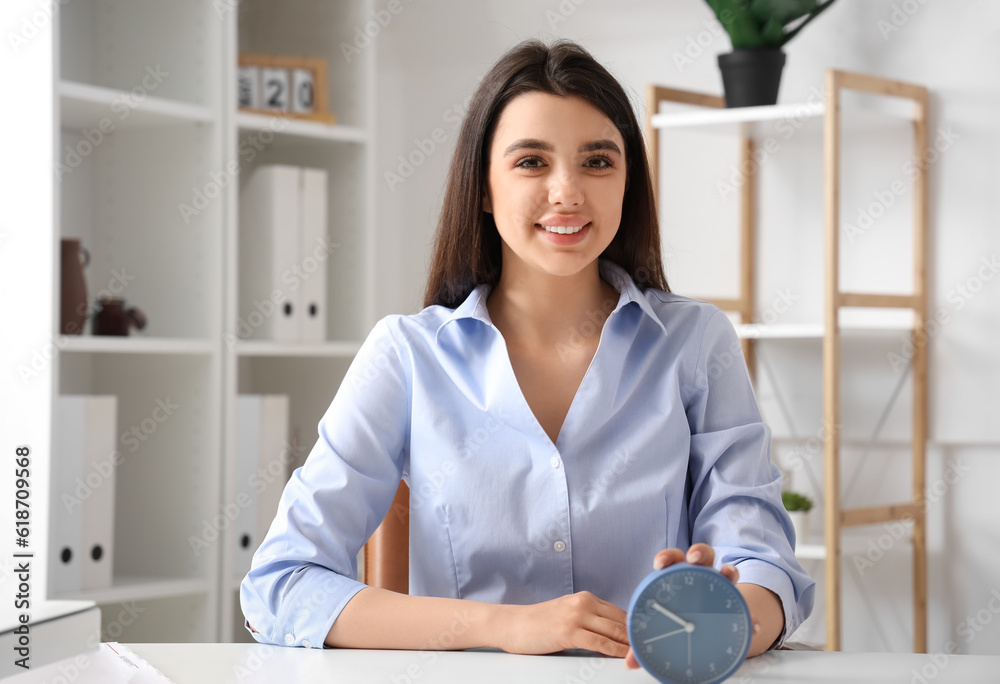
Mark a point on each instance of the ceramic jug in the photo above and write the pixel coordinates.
(73, 290)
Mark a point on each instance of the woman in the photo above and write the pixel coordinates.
(561, 418)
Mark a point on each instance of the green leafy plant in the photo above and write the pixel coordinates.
(794, 501)
(765, 23)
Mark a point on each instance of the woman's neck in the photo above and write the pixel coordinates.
(537, 310)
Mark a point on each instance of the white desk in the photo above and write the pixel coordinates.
(225, 663)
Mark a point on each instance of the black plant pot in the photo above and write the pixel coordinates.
(751, 78)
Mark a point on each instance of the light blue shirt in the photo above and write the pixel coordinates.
(663, 446)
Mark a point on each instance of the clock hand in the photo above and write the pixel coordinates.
(688, 626)
(676, 631)
(689, 649)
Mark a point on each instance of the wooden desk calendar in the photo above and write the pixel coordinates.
(290, 86)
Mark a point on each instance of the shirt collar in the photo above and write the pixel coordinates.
(630, 292)
(474, 305)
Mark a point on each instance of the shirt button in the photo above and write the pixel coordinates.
(559, 545)
(289, 639)
(306, 643)
(554, 461)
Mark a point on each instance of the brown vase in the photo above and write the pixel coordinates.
(111, 317)
(73, 291)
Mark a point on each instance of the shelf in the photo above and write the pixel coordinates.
(739, 115)
(128, 588)
(98, 344)
(813, 331)
(300, 128)
(85, 106)
(781, 119)
(810, 551)
(327, 349)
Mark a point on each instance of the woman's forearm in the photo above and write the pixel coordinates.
(765, 607)
(379, 618)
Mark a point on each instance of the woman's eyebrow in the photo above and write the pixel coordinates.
(533, 144)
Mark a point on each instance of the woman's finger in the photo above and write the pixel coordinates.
(700, 554)
(667, 557)
(612, 629)
(731, 572)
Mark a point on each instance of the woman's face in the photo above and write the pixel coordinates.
(556, 183)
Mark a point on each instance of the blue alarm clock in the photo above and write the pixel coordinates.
(689, 624)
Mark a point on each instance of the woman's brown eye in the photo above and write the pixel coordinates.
(600, 162)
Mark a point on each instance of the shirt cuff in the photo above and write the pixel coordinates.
(312, 602)
(769, 576)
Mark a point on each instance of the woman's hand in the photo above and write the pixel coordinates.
(765, 608)
(579, 620)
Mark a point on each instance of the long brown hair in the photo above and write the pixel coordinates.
(467, 244)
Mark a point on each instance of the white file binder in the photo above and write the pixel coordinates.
(269, 246)
(284, 255)
(261, 471)
(83, 501)
(314, 256)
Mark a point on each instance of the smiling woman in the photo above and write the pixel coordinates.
(559, 413)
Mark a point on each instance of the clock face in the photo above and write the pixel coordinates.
(689, 624)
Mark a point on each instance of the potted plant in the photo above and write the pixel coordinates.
(797, 506)
(758, 29)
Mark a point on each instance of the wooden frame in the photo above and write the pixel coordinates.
(316, 67)
(835, 519)
(748, 254)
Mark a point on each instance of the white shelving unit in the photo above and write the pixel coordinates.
(146, 101)
(309, 373)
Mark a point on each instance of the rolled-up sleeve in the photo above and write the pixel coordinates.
(305, 570)
(735, 502)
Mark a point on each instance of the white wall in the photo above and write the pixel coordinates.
(26, 283)
(432, 55)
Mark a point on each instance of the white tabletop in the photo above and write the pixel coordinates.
(224, 663)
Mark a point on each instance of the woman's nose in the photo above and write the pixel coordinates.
(565, 188)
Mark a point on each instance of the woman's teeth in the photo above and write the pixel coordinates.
(563, 230)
